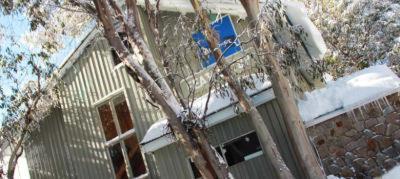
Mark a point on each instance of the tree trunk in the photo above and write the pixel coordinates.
(12, 163)
(285, 97)
(135, 38)
(213, 156)
(168, 103)
(266, 140)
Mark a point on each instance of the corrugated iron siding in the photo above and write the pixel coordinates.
(171, 162)
(70, 143)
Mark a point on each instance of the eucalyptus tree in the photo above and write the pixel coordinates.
(25, 99)
(27, 69)
(358, 33)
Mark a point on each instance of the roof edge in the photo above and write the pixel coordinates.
(75, 54)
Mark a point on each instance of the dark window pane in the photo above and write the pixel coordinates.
(110, 131)
(135, 156)
(123, 115)
(242, 148)
(118, 161)
(115, 57)
(218, 149)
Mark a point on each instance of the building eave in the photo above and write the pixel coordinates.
(77, 52)
(213, 119)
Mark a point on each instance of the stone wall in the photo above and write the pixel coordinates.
(362, 143)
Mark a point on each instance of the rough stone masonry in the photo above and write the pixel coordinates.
(362, 143)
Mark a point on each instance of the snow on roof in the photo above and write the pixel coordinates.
(297, 14)
(349, 92)
(156, 130)
(215, 104)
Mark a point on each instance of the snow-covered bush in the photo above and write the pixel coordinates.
(358, 33)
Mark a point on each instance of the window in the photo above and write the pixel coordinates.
(121, 140)
(118, 161)
(110, 131)
(115, 57)
(123, 116)
(235, 151)
(134, 155)
(228, 42)
(241, 149)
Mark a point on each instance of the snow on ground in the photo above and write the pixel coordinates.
(347, 92)
(392, 174)
(216, 103)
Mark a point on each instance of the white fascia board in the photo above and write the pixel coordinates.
(158, 143)
(212, 120)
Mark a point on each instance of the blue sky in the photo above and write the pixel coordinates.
(17, 25)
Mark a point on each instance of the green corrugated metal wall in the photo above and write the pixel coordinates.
(172, 164)
(70, 142)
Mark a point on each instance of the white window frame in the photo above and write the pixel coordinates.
(247, 157)
(109, 99)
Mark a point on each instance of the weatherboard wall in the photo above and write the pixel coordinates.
(172, 164)
(70, 142)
